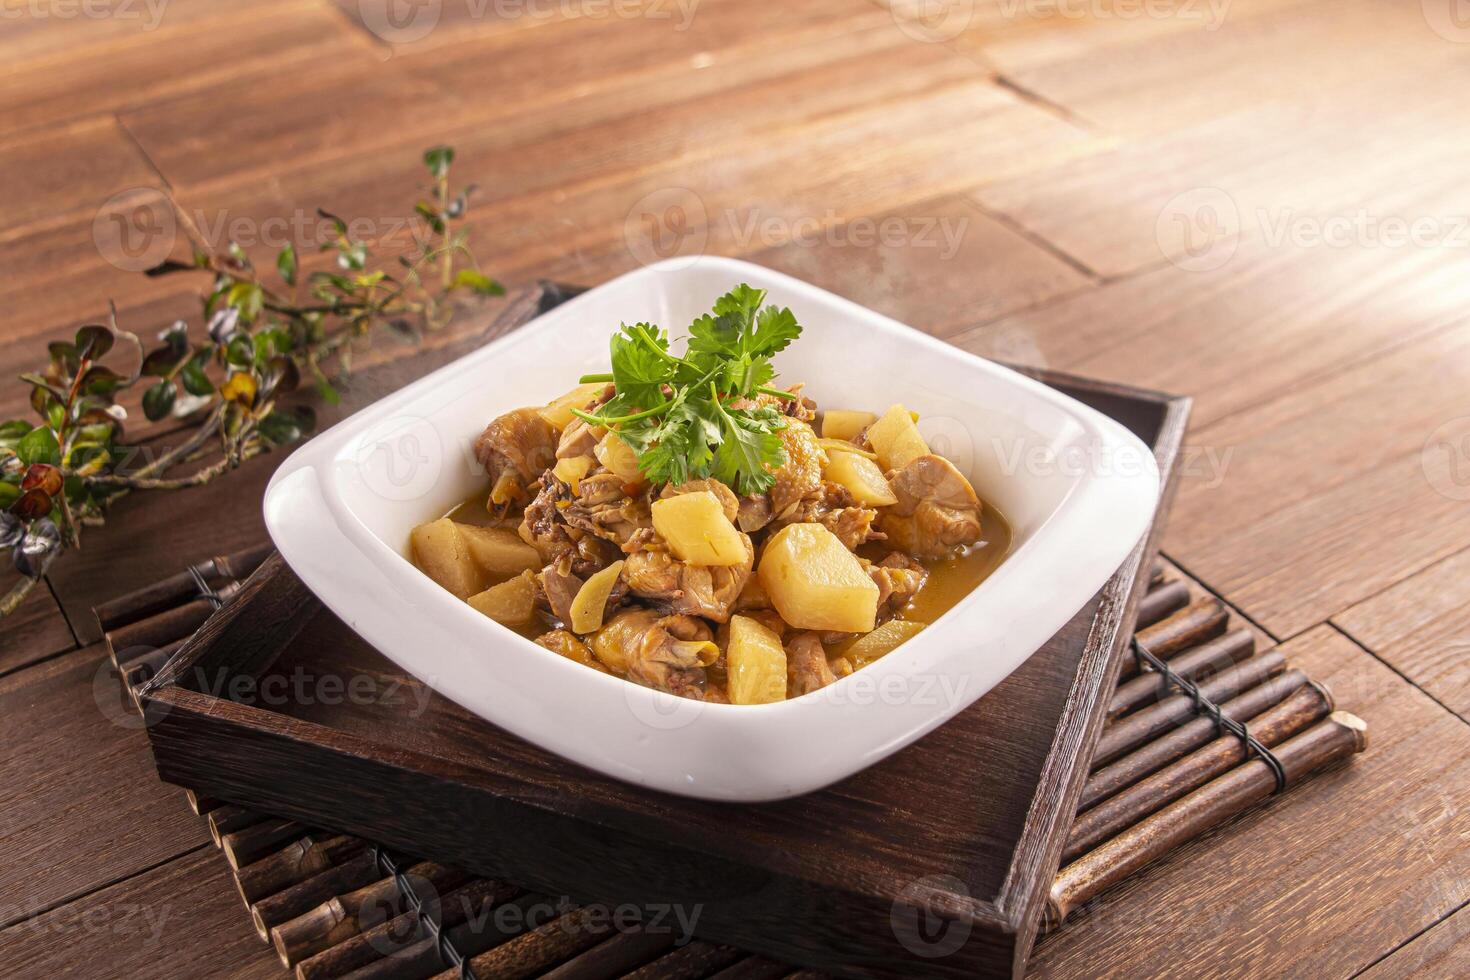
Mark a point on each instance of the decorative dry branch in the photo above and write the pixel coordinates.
(61, 471)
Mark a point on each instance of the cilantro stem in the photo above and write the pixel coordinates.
(604, 420)
(788, 395)
(651, 344)
(588, 379)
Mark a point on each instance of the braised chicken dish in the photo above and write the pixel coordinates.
(683, 524)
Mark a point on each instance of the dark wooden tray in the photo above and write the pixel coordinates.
(946, 847)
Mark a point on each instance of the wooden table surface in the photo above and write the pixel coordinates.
(1261, 203)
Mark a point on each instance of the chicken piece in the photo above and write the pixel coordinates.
(807, 669)
(801, 408)
(937, 512)
(578, 439)
(667, 653)
(515, 450)
(833, 507)
(556, 523)
(899, 579)
(698, 590)
(560, 585)
(753, 512)
(569, 646)
(728, 501)
(852, 525)
(800, 478)
(603, 507)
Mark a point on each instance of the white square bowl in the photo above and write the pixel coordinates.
(1078, 489)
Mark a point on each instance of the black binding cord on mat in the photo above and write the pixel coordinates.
(1204, 706)
(205, 592)
(427, 918)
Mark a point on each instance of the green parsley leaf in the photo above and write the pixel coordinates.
(672, 410)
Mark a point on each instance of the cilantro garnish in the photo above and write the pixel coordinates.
(678, 413)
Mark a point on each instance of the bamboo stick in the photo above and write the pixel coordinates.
(294, 863)
(1307, 706)
(358, 871)
(1205, 659)
(339, 919)
(230, 818)
(529, 954)
(178, 588)
(1191, 735)
(1192, 625)
(201, 805)
(1331, 740)
(750, 968)
(402, 947)
(1162, 601)
(176, 623)
(698, 958)
(613, 957)
(248, 844)
(127, 657)
(1134, 730)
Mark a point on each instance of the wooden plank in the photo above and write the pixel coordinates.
(869, 157)
(183, 919)
(64, 172)
(234, 132)
(1443, 951)
(865, 162)
(62, 31)
(935, 265)
(1013, 36)
(1217, 59)
(34, 631)
(59, 278)
(80, 805)
(1421, 627)
(1265, 172)
(1360, 858)
(1291, 313)
(540, 76)
(1327, 496)
(232, 46)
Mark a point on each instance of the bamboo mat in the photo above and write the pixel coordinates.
(333, 905)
